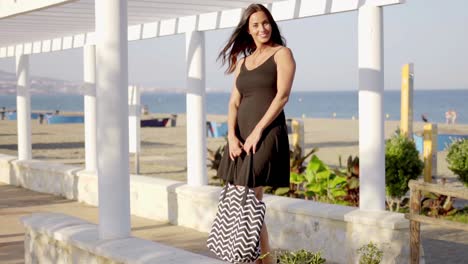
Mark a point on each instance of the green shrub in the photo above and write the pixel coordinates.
(402, 164)
(370, 254)
(299, 257)
(457, 159)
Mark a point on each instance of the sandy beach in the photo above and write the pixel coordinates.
(163, 149)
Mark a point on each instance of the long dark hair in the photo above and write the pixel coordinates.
(242, 42)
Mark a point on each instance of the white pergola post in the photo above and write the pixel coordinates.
(371, 116)
(89, 56)
(23, 107)
(134, 124)
(112, 118)
(196, 117)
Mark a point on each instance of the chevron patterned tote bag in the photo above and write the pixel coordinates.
(235, 234)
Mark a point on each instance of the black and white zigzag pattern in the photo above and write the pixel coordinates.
(235, 234)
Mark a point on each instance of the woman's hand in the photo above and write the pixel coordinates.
(252, 141)
(235, 147)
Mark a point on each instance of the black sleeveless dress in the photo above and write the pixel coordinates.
(271, 161)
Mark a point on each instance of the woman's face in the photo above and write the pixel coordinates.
(259, 27)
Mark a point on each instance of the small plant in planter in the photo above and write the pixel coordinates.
(299, 257)
(402, 164)
(457, 159)
(370, 254)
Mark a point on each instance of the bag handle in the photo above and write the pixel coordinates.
(251, 172)
(230, 175)
(247, 176)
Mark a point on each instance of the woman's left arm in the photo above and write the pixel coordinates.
(286, 68)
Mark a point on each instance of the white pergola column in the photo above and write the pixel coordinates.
(196, 117)
(371, 116)
(112, 119)
(23, 107)
(89, 56)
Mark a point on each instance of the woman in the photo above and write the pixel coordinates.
(256, 121)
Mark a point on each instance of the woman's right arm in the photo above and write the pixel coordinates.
(235, 146)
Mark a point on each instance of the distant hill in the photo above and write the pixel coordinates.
(39, 85)
(46, 85)
(6, 76)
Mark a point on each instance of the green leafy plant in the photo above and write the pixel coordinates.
(297, 159)
(370, 254)
(457, 159)
(402, 164)
(299, 257)
(322, 184)
(319, 182)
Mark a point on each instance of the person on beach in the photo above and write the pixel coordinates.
(450, 116)
(454, 116)
(264, 70)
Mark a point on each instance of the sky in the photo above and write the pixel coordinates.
(432, 34)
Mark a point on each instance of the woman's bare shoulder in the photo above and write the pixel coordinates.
(284, 57)
(284, 53)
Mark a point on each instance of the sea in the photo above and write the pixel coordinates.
(317, 104)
